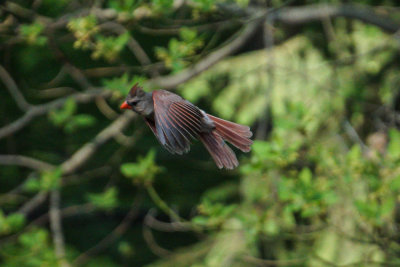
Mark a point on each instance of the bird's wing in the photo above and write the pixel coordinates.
(177, 121)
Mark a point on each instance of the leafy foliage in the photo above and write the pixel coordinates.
(178, 50)
(106, 200)
(32, 33)
(47, 181)
(121, 85)
(11, 223)
(143, 171)
(66, 119)
(31, 249)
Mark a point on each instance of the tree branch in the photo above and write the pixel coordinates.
(42, 109)
(85, 152)
(56, 227)
(299, 15)
(25, 162)
(13, 89)
(171, 81)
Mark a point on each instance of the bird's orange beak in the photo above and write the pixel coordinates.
(125, 106)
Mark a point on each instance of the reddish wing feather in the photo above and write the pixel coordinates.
(176, 120)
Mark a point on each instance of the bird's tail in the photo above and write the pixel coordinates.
(236, 134)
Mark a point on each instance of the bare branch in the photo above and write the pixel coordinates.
(151, 242)
(13, 89)
(65, 212)
(39, 110)
(299, 15)
(24, 162)
(175, 226)
(78, 76)
(56, 227)
(85, 152)
(33, 203)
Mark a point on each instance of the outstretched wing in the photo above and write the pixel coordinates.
(177, 121)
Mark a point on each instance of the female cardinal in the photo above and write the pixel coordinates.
(175, 121)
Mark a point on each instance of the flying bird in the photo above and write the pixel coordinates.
(176, 122)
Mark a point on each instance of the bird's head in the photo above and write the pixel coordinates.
(139, 101)
(136, 94)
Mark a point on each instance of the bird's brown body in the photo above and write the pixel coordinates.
(175, 122)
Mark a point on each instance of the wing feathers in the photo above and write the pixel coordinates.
(177, 121)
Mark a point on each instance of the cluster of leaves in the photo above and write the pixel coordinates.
(176, 56)
(11, 223)
(121, 85)
(143, 171)
(33, 248)
(86, 32)
(68, 120)
(47, 181)
(32, 33)
(106, 200)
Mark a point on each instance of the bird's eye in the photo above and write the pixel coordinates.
(133, 102)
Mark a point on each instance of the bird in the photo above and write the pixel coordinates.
(176, 122)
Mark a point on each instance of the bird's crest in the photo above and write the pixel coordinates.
(134, 89)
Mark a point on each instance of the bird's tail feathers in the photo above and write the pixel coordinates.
(219, 150)
(236, 134)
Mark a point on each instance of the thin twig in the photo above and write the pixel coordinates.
(56, 227)
(33, 203)
(153, 223)
(13, 89)
(24, 161)
(111, 237)
(300, 15)
(161, 204)
(151, 242)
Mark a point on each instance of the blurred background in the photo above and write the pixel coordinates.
(84, 184)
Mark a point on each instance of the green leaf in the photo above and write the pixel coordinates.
(305, 176)
(200, 220)
(394, 144)
(78, 122)
(121, 85)
(61, 116)
(395, 184)
(32, 185)
(106, 200)
(50, 179)
(31, 33)
(125, 248)
(354, 155)
(188, 35)
(11, 223)
(83, 28)
(109, 47)
(271, 227)
(143, 171)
